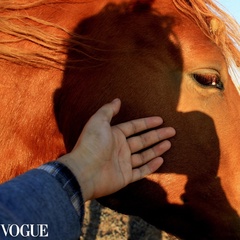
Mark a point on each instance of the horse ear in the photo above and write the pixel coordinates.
(216, 26)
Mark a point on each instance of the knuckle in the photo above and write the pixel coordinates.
(133, 126)
(143, 139)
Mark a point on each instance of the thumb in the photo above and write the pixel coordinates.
(109, 110)
(116, 104)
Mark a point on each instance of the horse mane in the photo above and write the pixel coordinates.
(19, 27)
(216, 24)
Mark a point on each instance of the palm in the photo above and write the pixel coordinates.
(123, 165)
(121, 162)
(106, 159)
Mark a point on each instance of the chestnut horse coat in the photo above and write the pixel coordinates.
(60, 61)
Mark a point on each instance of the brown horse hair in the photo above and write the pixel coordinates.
(216, 24)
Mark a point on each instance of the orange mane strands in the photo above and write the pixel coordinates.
(216, 24)
(18, 28)
(49, 51)
(27, 39)
(21, 4)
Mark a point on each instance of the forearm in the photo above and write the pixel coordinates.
(36, 197)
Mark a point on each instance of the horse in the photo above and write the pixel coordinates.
(62, 60)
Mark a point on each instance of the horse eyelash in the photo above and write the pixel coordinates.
(209, 80)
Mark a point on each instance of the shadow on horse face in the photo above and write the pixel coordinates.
(131, 52)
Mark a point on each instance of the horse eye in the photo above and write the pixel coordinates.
(209, 80)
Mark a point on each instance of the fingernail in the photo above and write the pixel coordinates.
(115, 100)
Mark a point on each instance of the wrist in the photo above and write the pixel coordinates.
(69, 184)
(81, 173)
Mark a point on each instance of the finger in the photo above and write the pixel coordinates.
(144, 157)
(150, 167)
(147, 139)
(135, 126)
(109, 110)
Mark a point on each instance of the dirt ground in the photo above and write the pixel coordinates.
(102, 223)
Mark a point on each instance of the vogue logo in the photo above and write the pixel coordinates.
(25, 230)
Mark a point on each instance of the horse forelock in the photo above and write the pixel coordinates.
(217, 25)
(213, 21)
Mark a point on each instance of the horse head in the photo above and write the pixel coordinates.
(160, 61)
(165, 57)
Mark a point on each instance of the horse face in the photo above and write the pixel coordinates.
(160, 63)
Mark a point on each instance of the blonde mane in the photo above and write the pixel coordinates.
(219, 26)
(213, 21)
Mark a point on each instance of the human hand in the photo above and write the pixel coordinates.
(106, 158)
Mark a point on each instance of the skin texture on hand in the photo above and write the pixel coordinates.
(106, 158)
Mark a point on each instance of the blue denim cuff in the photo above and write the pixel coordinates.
(69, 183)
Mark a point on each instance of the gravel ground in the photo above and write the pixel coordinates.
(101, 223)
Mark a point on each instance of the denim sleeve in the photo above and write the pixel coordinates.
(36, 197)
